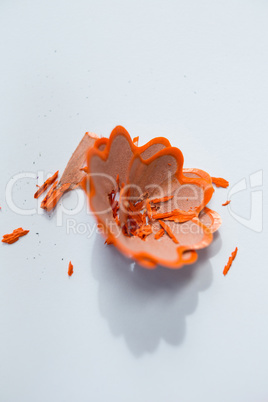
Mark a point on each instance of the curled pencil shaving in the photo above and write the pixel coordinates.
(14, 236)
(166, 220)
(230, 261)
(171, 227)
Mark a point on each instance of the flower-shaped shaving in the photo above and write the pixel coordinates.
(147, 206)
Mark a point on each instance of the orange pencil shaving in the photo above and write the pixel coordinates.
(56, 196)
(226, 203)
(162, 199)
(44, 202)
(159, 234)
(148, 208)
(14, 236)
(220, 182)
(70, 269)
(168, 231)
(46, 184)
(230, 261)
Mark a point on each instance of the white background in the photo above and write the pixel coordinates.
(195, 72)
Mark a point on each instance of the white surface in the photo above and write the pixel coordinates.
(195, 72)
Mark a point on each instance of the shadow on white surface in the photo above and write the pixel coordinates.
(147, 306)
